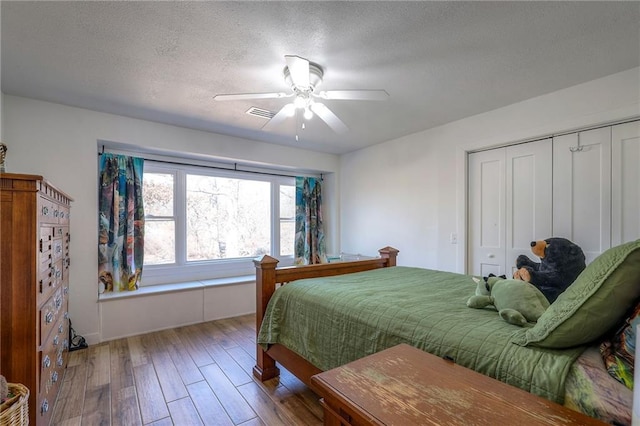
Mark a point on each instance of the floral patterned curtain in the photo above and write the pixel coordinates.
(309, 243)
(121, 223)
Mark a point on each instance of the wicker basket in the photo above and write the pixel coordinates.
(15, 411)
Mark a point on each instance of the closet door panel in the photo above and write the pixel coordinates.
(486, 214)
(582, 189)
(528, 198)
(625, 161)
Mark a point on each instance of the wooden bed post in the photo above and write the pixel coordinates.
(389, 253)
(268, 275)
(265, 367)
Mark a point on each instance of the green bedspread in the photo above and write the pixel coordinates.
(336, 320)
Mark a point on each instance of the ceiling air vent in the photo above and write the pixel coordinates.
(262, 113)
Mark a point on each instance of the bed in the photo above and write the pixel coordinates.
(331, 314)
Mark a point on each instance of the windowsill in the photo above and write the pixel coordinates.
(176, 287)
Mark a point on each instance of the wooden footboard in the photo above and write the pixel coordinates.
(268, 275)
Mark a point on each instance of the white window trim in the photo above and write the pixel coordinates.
(183, 271)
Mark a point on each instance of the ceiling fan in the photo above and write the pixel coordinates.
(304, 77)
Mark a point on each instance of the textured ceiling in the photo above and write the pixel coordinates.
(439, 61)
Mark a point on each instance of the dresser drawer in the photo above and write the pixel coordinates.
(54, 356)
(46, 210)
(57, 273)
(57, 248)
(57, 212)
(46, 269)
(45, 260)
(50, 315)
(44, 243)
(45, 401)
(66, 260)
(47, 366)
(51, 278)
(63, 217)
(60, 231)
(50, 384)
(46, 285)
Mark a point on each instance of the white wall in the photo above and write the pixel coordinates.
(60, 143)
(410, 193)
(1, 116)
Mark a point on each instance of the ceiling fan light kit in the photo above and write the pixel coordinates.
(308, 115)
(303, 77)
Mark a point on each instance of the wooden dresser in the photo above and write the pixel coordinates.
(34, 287)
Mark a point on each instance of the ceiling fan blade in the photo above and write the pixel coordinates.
(329, 117)
(285, 112)
(242, 96)
(298, 70)
(361, 95)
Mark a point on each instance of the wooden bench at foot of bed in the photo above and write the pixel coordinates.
(268, 275)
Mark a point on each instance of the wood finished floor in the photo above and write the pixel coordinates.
(192, 375)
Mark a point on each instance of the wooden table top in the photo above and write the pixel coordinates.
(404, 385)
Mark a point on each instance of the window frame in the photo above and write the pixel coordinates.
(188, 271)
(173, 172)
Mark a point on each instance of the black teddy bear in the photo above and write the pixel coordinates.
(561, 261)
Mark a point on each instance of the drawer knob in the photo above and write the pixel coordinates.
(55, 341)
(54, 377)
(48, 318)
(44, 407)
(46, 362)
(60, 360)
(60, 328)
(45, 210)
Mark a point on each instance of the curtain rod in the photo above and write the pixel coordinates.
(234, 169)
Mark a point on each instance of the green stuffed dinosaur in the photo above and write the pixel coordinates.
(517, 302)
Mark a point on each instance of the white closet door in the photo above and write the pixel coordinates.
(486, 212)
(529, 198)
(582, 189)
(625, 203)
(509, 205)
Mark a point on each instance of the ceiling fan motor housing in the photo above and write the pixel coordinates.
(315, 78)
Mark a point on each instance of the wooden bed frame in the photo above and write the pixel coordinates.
(267, 276)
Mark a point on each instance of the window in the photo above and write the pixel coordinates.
(204, 223)
(160, 221)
